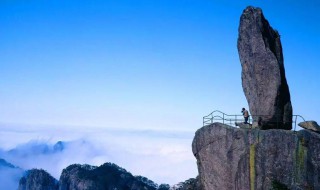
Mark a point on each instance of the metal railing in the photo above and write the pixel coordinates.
(218, 116)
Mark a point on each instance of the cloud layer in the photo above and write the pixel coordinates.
(163, 156)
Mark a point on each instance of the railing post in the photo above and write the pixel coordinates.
(223, 118)
(295, 123)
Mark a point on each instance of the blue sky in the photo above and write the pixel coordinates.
(142, 63)
(144, 72)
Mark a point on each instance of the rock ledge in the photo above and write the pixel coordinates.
(233, 158)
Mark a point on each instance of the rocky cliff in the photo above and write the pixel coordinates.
(263, 75)
(36, 179)
(241, 159)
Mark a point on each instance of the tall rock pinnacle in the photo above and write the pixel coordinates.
(263, 74)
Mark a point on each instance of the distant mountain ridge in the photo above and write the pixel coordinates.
(5, 164)
(37, 179)
(80, 176)
(9, 175)
(108, 176)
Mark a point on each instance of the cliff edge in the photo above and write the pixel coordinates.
(241, 159)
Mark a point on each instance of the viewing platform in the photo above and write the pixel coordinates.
(235, 120)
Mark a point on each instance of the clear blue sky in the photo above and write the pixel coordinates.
(142, 63)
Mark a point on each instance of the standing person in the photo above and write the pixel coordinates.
(245, 114)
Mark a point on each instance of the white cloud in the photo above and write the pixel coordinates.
(9, 178)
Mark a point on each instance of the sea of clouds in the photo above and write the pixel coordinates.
(164, 156)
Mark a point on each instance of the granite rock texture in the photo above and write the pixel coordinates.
(243, 125)
(263, 74)
(310, 125)
(230, 158)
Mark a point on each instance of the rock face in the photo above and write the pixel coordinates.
(241, 159)
(38, 180)
(311, 125)
(263, 74)
(107, 176)
(243, 125)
